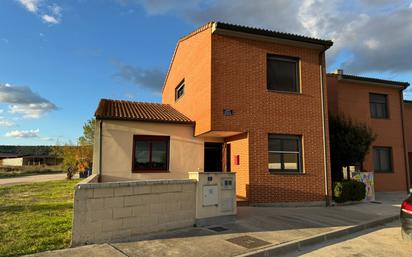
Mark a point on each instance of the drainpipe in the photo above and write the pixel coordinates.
(99, 178)
(325, 143)
(405, 147)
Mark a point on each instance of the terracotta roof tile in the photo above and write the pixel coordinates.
(139, 111)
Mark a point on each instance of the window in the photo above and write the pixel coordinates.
(180, 90)
(282, 73)
(150, 153)
(382, 159)
(284, 153)
(379, 106)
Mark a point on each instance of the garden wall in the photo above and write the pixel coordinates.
(116, 211)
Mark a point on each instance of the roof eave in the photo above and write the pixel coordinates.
(271, 36)
(143, 120)
(373, 81)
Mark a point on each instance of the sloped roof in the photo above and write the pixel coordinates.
(272, 33)
(139, 111)
(371, 80)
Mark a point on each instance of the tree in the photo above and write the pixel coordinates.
(88, 132)
(349, 143)
(77, 157)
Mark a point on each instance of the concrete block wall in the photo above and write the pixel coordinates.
(118, 211)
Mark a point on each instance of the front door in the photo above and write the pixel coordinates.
(213, 157)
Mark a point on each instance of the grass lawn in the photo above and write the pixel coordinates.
(28, 171)
(35, 217)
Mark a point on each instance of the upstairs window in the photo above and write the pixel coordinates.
(180, 90)
(378, 106)
(382, 159)
(285, 153)
(150, 153)
(282, 73)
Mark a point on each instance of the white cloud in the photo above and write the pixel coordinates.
(30, 5)
(23, 133)
(34, 110)
(372, 43)
(54, 16)
(23, 100)
(6, 123)
(49, 19)
(50, 14)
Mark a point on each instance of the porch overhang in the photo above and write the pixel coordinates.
(219, 134)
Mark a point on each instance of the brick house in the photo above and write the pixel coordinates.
(379, 104)
(267, 127)
(240, 99)
(408, 129)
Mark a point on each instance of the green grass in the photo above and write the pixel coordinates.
(35, 217)
(28, 171)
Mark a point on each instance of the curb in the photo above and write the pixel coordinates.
(295, 245)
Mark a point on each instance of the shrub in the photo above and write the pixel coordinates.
(348, 190)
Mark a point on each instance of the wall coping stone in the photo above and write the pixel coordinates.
(87, 184)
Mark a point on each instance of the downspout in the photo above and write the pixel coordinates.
(325, 143)
(100, 150)
(405, 147)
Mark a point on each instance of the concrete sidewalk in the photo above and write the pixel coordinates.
(257, 229)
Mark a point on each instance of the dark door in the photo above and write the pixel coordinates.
(213, 157)
(228, 158)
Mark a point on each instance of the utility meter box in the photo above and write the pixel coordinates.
(210, 195)
(215, 197)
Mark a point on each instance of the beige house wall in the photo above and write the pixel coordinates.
(13, 162)
(186, 152)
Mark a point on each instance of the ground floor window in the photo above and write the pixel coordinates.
(382, 159)
(150, 153)
(285, 153)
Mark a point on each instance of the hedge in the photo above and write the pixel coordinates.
(349, 190)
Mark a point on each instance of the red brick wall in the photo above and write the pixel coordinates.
(408, 130)
(408, 124)
(239, 83)
(192, 62)
(352, 99)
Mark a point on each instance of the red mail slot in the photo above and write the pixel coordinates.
(236, 159)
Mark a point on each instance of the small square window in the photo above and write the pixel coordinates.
(382, 159)
(282, 73)
(180, 90)
(378, 106)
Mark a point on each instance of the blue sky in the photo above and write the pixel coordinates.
(58, 58)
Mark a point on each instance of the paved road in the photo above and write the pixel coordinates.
(31, 179)
(383, 241)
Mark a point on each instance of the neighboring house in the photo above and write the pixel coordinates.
(239, 99)
(379, 104)
(7, 157)
(408, 128)
(28, 160)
